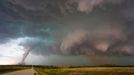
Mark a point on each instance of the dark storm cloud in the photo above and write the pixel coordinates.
(89, 5)
(34, 18)
(8, 31)
(44, 10)
(128, 10)
(41, 46)
(38, 10)
(99, 41)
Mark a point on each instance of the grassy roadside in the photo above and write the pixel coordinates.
(6, 69)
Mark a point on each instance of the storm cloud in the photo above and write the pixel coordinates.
(44, 10)
(69, 27)
(98, 41)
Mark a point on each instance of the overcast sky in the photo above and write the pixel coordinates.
(67, 32)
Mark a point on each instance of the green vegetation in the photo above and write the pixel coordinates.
(10, 68)
(87, 71)
(67, 70)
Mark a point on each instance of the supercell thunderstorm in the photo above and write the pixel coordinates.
(94, 28)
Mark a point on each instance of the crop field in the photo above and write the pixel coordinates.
(88, 71)
(43, 70)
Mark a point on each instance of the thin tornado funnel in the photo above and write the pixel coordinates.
(25, 55)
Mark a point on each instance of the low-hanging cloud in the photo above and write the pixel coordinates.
(100, 41)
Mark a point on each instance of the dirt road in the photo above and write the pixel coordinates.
(22, 72)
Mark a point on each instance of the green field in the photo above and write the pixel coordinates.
(87, 71)
(11, 68)
(49, 70)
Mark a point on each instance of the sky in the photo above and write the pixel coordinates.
(66, 32)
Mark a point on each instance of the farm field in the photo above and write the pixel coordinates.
(87, 71)
(43, 70)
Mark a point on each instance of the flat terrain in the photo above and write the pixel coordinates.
(12, 68)
(88, 71)
(21, 72)
(50, 70)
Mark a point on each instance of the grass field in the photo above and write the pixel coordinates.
(43, 70)
(88, 71)
(11, 68)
